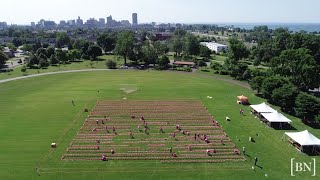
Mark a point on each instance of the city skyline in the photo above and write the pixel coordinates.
(178, 11)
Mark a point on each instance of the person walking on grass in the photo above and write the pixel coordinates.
(243, 150)
(255, 161)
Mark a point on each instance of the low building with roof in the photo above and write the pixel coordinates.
(216, 47)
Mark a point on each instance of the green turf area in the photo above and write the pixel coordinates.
(219, 59)
(37, 111)
(85, 64)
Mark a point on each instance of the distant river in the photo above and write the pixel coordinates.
(309, 27)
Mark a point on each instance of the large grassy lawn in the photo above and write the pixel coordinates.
(85, 64)
(37, 111)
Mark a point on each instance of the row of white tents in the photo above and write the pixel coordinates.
(304, 138)
(270, 114)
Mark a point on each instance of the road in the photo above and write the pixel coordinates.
(13, 63)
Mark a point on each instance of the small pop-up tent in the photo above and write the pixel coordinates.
(243, 99)
(304, 139)
(262, 108)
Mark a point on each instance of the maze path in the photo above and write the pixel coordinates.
(127, 142)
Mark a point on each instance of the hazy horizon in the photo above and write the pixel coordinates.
(164, 11)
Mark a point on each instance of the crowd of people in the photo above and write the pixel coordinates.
(178, 129)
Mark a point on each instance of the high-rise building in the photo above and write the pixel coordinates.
(92, 23)
(3, 24)
(109, 20)
(134, 19)
(62, 23)
(102, 21)
(79, 21)
(71, 22)
(33, 24)
(125, 23)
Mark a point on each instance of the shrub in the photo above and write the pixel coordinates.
(216, 66)
(24, 69)
(201, 63)
(86, 57)
(187, 69)
(111, 64)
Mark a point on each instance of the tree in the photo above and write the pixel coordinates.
(201, 63)
(163, 62)
(94, 51)
(17, 42)
(192, 46)
(74, 54)
(285, 96)
(11, 46)
(299, 66)
(27, 47)
(237, 50)
(42, 51)
(80, 44)
(215, 66)
(272, 83)
(180, 32)
(177, 45)
(42, 56)
(247, 74)
(50, 51)
(256, 83)
(106, 41)
(111, 64)
(124, 44)
(24, 69)
(205, 52)
(238, 70)
(160, 47)
(62, 40)
(36, 46)
(53, 59)
(43, 63)
(3, 58)
(33, 60)
(150, 54)
(307, 106)
(61, 56)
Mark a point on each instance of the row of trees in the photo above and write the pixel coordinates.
(43, 57)
(188, 45)
(294, 61)
(293, 69)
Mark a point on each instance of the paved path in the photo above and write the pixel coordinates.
(48, 73)
(239, 83)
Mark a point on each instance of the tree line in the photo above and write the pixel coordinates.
(291, 68)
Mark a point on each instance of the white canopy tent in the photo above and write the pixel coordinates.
(276, 117)
(304, 138)
(262, 108)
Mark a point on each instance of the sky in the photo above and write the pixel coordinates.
(167, 11)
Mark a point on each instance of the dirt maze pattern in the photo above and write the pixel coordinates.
(189, 133)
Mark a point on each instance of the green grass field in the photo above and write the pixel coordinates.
(85, 64)
(37, 111)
